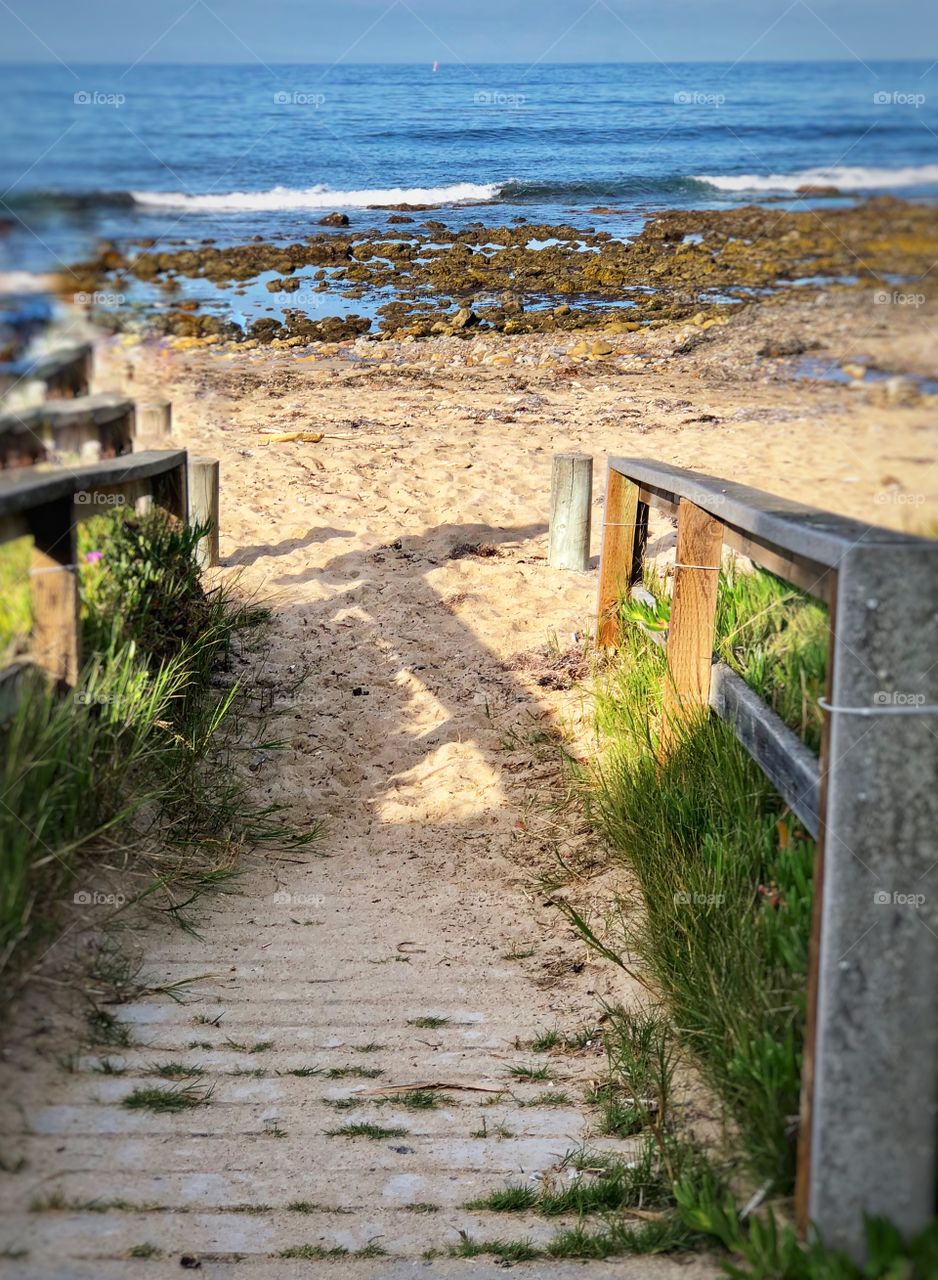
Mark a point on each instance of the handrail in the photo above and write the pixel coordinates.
(868, 1144)
(48, 505)
(798, 542)
(54, 428)
(24, 491)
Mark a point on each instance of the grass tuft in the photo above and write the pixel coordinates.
(506, 1250)
(550, 1098)
(175, 1071)
(183, 1097)
(364, 1129)
(512, 1199)
(358, 1073)
(413, 1100)
(525, 1072)
(145, 1250)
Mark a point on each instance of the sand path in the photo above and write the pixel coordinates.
(407, 737)
(410, 730)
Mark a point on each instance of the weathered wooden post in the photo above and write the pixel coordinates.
(870, 1083)
(204, 477)
(154, 422)
(622, 518)
(571, 497)
(54, 584)
(693, 616)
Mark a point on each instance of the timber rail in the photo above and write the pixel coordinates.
(868, 1136)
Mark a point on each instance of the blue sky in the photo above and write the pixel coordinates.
(123, 31)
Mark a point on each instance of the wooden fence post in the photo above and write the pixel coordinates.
(571, 497)
(204, 476)
(621, 518)
(56, 641)
(870, 1103)
(154, 425)
(693, 616)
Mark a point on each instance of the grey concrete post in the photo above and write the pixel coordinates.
(874, 1104)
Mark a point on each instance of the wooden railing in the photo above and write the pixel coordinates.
(47, 504)
(868, 1139)
(66, 371)
(82, 429)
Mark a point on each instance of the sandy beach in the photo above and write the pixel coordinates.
(420, 651)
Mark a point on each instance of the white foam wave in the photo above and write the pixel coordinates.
(314, 198)
(844, 177)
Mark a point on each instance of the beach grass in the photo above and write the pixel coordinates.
(724, 871)
(141, 759)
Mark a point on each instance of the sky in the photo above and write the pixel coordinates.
(329, 31)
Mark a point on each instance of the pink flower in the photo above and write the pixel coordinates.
(92, 557)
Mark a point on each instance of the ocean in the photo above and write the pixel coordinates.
(185, 154)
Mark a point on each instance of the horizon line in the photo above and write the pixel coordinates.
(574, 62)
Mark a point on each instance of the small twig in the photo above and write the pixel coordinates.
(432, 1084)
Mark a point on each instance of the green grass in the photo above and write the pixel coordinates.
(621, 1237)
(506, 1250)
(584, 1037)
(605, 1184)
(363, 1129)
(16, 611)
(108, 1067)
(762, 1249)
(429, 1021)
(496, 1131)
(421, 1206)
(776, 637)
(570, 1042)
(724, 873)
(413, 1100)
(310, 1206)
(140, 760)
(105, 1027)
(772, 634)
(525, 1072)
(52, 1202)
(318, 1252)
(544, 1041)
(549, 1098)
(178, 1098)
(511, 1199)
(238, 1046)
(175, 1071)
(358, 1073)
(313, 1252)
(145, 1250)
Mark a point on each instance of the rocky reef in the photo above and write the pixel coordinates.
(431, 280)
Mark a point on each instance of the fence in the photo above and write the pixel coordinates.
(66, 371)
(83, 429)
(868, 1139)
(47, 503)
